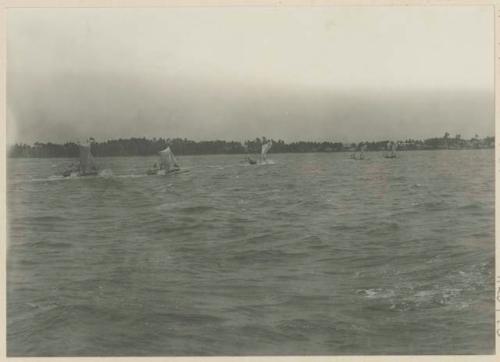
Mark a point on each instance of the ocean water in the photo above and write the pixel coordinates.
(316, 254)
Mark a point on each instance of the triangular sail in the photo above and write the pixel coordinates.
(87, 163)
(167, 160)
(265, 149)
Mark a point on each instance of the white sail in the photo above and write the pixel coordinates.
(167, 160)
(265, 149)
(87, 163)
(363, 149)
(393, 149)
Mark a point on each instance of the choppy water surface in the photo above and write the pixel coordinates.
(315, 254)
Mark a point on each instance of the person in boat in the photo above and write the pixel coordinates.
(154, 170)
(73, 168)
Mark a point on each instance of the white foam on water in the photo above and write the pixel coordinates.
(106, 173)
(266, 162)
(73, 176)
(132, 176)
(376, 293)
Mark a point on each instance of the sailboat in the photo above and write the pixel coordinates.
(362, 152)
(249, 159)
(87, 163)
(263, 153)
(86, 167)
(392, 146)
(362, 148)
(168, 163)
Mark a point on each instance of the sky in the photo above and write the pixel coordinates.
(235, 73)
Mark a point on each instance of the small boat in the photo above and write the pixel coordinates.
(361, 155)
(264, 150)
(168, 164)
(263, 155)
(86, 167)
(392, 147)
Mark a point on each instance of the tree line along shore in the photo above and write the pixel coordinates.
(148, 147)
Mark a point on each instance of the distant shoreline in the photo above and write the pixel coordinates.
(247, 154)
(185, 147)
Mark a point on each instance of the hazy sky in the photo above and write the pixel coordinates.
(324, 73)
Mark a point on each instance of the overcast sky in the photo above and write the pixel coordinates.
(325, 73)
